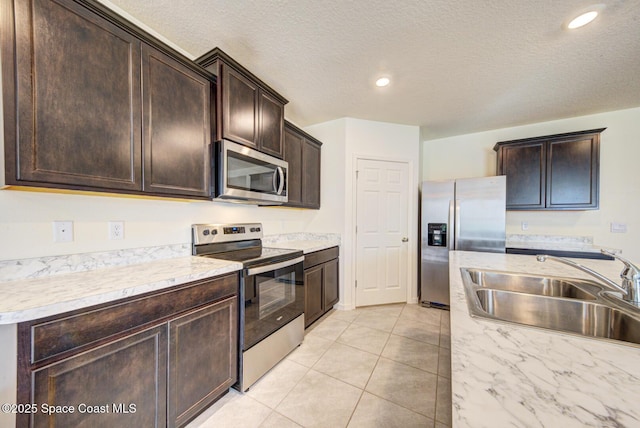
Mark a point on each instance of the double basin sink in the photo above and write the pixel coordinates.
(569, 305)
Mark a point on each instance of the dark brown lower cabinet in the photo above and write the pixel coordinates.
(313, 305)
(154, 360)
(117, 385)
(203, 358)
(321, 283)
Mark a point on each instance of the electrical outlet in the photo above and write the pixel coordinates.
(524, 225)
(62, 231)
(116, 230)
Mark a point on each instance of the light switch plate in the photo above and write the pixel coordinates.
(62, 231)
(618, 227)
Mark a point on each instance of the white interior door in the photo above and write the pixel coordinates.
(382, 206)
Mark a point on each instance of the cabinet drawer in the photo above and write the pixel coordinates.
(317, 257)
(78, 330)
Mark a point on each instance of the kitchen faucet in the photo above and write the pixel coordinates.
(630, 276)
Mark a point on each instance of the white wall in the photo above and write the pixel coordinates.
(26, 221)
(351, 139)
(472, 155)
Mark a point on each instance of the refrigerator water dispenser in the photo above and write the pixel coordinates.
(437, 234)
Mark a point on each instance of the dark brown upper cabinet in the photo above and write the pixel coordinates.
(75, 101)
(93, 103)
(249, 112)
(552, 172)
(177, 130)
(302, 152)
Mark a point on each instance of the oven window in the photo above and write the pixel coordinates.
(275, 294)
(271, 300)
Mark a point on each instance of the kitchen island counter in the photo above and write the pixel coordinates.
(506, 374)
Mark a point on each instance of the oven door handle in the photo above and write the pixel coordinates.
(274, 266)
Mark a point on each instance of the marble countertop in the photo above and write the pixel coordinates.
(306, 246)
(45, 286)
(306, 242)
(517, 376)
(29, 299)
(556, 243)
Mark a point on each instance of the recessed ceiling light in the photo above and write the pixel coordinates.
(582, 20)
(585, 17)
(383, 81)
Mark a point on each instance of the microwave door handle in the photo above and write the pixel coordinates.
(274, 180)
(280, 187)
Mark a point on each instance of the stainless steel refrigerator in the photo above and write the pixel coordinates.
(465, 215)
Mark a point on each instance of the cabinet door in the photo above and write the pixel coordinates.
(331, 285)
(293, 155)
(239, 107)
(313, 300)
(310, 175)
(572, 173)
(177, 131)
(121, 384)
(203, 354)
(271, 125)
(78, 98)
(525, 168)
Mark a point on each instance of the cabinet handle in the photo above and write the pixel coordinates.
(405, 239)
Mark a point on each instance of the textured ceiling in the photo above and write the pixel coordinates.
(456, 66)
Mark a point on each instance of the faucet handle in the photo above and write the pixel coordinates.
(630, 270)
(630, 278)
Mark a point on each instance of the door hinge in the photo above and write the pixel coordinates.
(357, 174)
(356, 283)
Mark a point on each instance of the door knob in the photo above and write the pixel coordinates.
(405, 239)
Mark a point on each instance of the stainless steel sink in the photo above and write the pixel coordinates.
(563, 304)
(540, 285)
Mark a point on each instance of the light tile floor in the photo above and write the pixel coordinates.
(381, 366)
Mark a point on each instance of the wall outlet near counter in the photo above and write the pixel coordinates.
(618, 227)
(116, 230)
(524, 225)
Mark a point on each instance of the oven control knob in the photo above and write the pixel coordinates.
(257, 229)
(205, 232)
(253, 229)
(214, 231)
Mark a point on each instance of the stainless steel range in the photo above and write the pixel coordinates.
(271, 288)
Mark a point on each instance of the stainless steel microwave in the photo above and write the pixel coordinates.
(248, 176)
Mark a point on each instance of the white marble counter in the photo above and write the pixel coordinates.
(29, 299)
(556, 243)
(44, 286)
(307, 242)
(507, 375)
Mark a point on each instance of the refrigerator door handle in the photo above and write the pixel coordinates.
(452, 227)
(456, 229)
